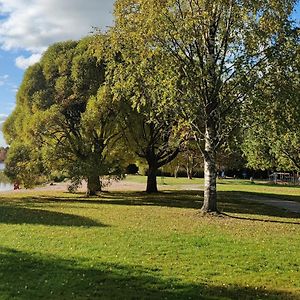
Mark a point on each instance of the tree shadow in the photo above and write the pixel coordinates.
(229, 202)
(23, 215)
(31, 276)
(253, 204)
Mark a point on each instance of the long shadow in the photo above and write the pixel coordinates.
(22, 215)
(252, 203)
(258, 219)
(28, 276)
(230, 202)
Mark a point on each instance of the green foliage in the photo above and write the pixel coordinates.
(272, 142)
(24, 165)
(64, 111)
(215, 52)
(142, 80)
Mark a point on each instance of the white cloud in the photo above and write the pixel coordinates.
(3, 80)
(33, 25)
(24, 62)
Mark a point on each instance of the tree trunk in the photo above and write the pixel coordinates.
(93, 185)
(210, 174)
(176, 171)
(151, 179)
(189, 173)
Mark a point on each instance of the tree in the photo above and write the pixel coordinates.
(273, 143)
(153, 142)
(23, 164)
(220, 50)
(139, 77)
(65, 113)
(188, 160)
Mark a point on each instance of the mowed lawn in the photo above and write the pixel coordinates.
(129, 245)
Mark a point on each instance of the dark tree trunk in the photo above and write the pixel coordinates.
(210, 174)
(151, 179)
(93, 185)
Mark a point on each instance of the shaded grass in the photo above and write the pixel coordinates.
(134, 246)
(104, 281)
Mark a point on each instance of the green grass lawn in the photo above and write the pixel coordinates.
(131, 245)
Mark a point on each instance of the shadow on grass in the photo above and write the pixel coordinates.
(28, 276)
(22, 215)
(230, 202)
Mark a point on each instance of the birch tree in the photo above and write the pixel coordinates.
(220, 50)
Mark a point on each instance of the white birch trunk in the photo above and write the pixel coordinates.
(210, 174)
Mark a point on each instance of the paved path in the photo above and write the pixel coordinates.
(291, 206)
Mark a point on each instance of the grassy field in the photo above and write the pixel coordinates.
(129, 245)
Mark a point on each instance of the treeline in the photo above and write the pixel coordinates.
(193, 81)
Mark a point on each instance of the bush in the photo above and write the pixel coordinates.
(132, 169)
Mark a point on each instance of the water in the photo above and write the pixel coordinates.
(5, 185)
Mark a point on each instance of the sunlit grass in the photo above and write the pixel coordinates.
(129, 245)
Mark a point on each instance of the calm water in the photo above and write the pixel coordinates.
(4, 183)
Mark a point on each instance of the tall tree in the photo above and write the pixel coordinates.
(220, 50)
(273, 142)
(139, 78)
(65, 113)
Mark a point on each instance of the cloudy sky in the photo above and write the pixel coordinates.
(27, 27)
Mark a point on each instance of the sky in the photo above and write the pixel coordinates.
(28, 27)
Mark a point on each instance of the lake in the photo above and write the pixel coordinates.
(5, 185)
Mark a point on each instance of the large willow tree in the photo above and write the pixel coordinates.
(65, 119)
(220, 51)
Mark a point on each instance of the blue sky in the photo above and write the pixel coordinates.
(27, 27)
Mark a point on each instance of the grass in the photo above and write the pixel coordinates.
(131, 245)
